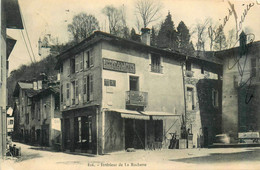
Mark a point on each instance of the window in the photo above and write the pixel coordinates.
(88, 59)
(156, 63)
(190, 99)
(188, 65)
(72, 65)
(134, 83)
(61, 93)
(253, 67)
(73, 92)
(85, 85)
(91, 87)
(108, 82)
(202, 70)
(76, 88)
(11, 122)
(214, 98)
(33, 110)
(57, 102)
(68, 90)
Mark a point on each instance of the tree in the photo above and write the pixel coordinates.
(220, 41)
(231, 39)
(153, 37)
(148, 11)
(117, 20)
(211, 33)
(201, 30)
(184, 44)
(134, 36)
(167, 36)
(82, 26)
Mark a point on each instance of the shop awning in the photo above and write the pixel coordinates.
(161, 115)
(130, 114)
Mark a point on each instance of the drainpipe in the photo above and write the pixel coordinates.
(184, 92)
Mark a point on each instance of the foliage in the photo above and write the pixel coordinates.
(29, 72)
(167, 36)
(220, 41)
(134, 36)
(82, 26)
(153, 37)
(201, 31)
(147, 11)
(184, 44)
(117, 21)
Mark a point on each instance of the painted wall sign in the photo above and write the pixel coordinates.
(120, 66)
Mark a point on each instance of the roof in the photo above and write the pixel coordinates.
(10, 42)
(101, 36)
(50, 90)
(24, 85)
(31, 92)
(98, 36)
(13, 14)
(21, 85)
(253, 46)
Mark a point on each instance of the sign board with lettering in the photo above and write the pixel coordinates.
(121, 66)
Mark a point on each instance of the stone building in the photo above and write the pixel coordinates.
(118, 94)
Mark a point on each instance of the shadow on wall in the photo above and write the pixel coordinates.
(249, 155)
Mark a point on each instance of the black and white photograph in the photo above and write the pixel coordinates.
(130, 84)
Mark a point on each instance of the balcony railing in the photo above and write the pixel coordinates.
(136, 98)
(157, 68)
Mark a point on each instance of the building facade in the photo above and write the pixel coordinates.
(241, 86)
(37, 113)
(10, 18)
(118, 94)
(203, 93)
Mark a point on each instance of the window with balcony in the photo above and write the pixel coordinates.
(134, 83)
(156, 63)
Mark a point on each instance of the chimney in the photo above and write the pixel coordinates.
(242, 43)
(145, 37)
(35, 85)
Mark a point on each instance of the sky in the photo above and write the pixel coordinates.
(52, 17)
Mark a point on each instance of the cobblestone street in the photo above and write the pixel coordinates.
(226, 158)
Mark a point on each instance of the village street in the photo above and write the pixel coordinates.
(227, 158)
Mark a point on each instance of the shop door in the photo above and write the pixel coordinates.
(134, 134)
(67, 134)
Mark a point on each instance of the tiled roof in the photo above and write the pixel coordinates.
(25, 85)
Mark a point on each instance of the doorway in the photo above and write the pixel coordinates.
(134, 133)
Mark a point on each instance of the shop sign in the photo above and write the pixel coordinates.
(121, 66)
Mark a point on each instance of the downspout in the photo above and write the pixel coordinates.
(184, 92)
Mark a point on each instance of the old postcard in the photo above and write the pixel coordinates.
(130, 84)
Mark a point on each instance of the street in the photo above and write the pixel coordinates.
(227, 158)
